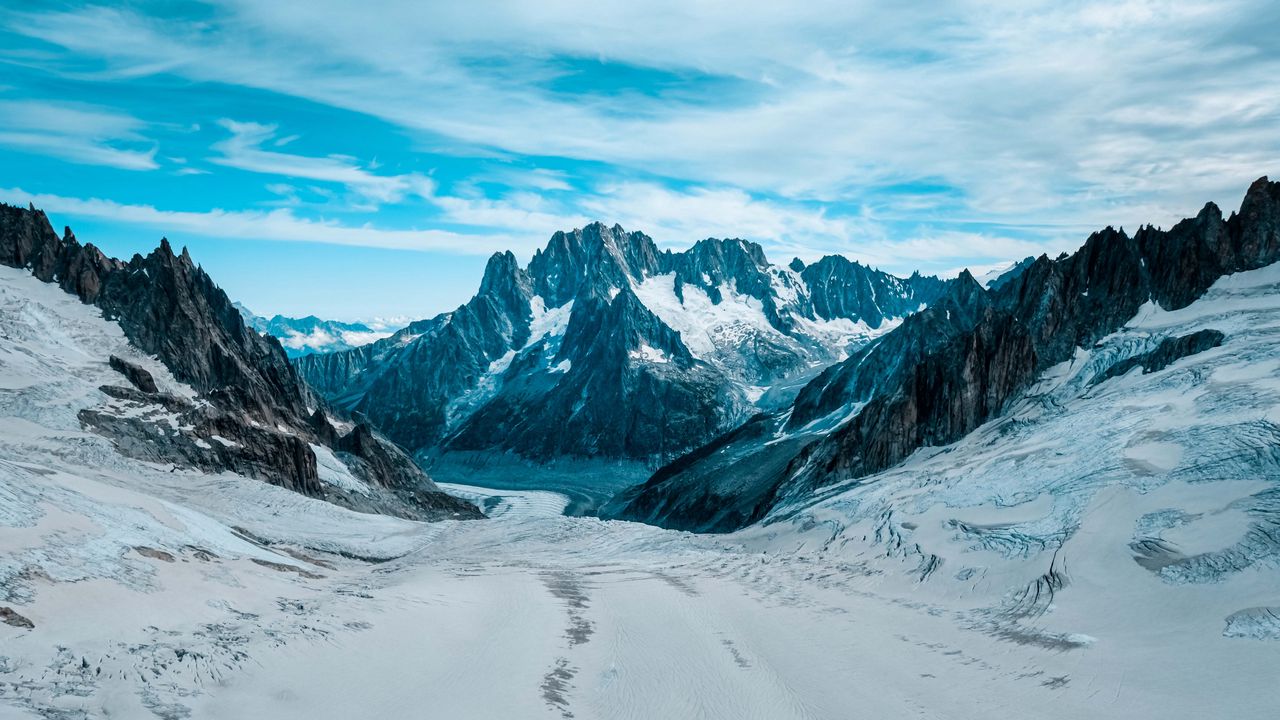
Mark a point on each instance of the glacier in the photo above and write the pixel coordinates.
(1104, 549)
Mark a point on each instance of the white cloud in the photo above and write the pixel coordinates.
(677, 218)
(946, 253)
(536, 179)
(680, 216)
(244, 151)
(280, 225)
(518, 212)
(1059, 114)
(83, 134)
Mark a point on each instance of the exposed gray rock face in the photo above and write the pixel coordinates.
(341, 376)
(217, 440)
(958, 364)
(610, 408)
(254, 416)
(961, 309)
(605, 347)
(844, 289)
(9, 616)
(137, 375)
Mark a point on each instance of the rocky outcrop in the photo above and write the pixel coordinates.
(136, 374)
(595, 258)
(842, 288)
(962, 361)
(1169, 351)
(255, 417)
(167, 307)
(588, 353)
(954, 388)
(719, 487)
(216, 441)
(713, 265)
(11, 617)
(958, 311)
(341, 375)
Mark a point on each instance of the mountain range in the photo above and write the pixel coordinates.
(961, 363)
(605, 348)
(746, 385)
(310, 334)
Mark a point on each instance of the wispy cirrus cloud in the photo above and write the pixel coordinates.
(683, 216)
(280, 224)
(1028, 109)
(245, 150)
(797, 229)
(79, 133)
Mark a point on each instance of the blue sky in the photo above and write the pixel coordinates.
(362, 159)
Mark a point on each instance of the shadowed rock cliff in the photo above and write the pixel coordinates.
(251, 396)
(956, 365)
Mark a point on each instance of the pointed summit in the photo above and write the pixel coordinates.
(506, 283)
(499, 271)
(592, 259)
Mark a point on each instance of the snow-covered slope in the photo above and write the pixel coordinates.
(55, 373)
(1086, 558)
(103, 555)
(724, 330)
(1167, 480)
(153, 594)
(245, 410)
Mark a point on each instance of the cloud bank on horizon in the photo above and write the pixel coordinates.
(384, 149)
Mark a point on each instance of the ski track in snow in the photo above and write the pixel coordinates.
(1037, 567)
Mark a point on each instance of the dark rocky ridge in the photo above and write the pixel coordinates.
(618, 382)
(1008, 275)
(1169, 351)
(958, 364)
(848, 289)
(170, 308)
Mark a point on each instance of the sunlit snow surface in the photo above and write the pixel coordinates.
(1103, 553)
(709, 328)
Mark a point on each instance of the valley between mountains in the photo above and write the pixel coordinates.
(624, 482)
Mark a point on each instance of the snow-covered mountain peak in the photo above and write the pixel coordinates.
(729, 325)
(310, 334)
